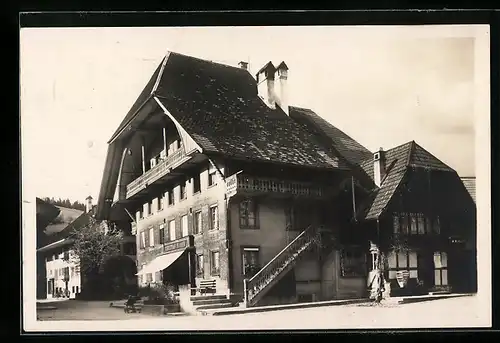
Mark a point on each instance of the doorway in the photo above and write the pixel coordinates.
(426, 269)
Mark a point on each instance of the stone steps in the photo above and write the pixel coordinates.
(208, 297)
(210, 301)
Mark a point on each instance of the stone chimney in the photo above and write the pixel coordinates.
(243, 65)
(281, 86)
(379, 166)
(88, 205)
(265, 84)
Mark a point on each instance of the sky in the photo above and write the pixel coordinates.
(383, 86)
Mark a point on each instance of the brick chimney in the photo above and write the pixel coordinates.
(379, 166)
(281, 86)
(265, 84)
(88, 205)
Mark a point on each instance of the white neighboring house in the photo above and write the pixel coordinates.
(63, 276)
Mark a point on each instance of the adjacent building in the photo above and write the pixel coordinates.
(221, 179)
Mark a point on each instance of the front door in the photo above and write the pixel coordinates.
(426, 268)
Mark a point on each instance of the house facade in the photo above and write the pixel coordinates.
(220, 179)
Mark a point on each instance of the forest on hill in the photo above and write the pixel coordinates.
(65, 203)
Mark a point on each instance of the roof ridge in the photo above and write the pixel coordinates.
(410, 153)
(205, 60)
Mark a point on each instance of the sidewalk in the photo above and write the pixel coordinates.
(421, 298)
(242, 310)
(395, 300)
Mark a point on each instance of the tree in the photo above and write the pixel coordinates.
(93, 246)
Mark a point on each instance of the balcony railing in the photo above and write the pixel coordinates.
(241, 183)
(155, 173)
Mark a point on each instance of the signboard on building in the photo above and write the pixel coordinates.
(232, 184)
(179, 244)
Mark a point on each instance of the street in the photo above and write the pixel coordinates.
(454, 312)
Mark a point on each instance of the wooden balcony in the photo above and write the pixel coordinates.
(162, 169)
(241, 184)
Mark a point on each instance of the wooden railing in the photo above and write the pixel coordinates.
(154, 173)
(248, 184)
(255, 286)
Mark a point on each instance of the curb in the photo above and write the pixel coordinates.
(285, 307)
(410, 300)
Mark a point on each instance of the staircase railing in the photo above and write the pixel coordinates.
(255, 285)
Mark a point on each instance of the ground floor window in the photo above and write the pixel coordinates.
(214, 263)
(199, 265)
(149, 277)
(440, 269)
(250, 261)
(402, 260)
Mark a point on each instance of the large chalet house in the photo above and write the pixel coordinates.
(222, 181)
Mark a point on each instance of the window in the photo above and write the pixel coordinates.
(184, 226)
(73, 289)
(171, 197)
(183, 190)
(297, 218)
(250, 261)
(212, 175)
(149, 277)
(197, 222)
(171, 230)
(72, 272)
(440, 269)
(404, 224)
(150, 207)
(77, 290)
(143, 240)
(352, 262)
(179, 143)
(214, 263)
(214, 218)
(196, 184)
(160, 202)
(141, 212)
(402, 261)
(199, 265)
(413, 223)
(436, 226)
(151, 237)
(162, 233)
(248, 211)
(421, 224)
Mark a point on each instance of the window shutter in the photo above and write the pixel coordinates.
(157, 234)
(190, 223)
(146, 238)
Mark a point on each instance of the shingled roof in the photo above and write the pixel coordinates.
(398, 160)
(470, 185)
(350, 149)
(219, 107)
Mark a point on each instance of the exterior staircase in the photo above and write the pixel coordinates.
(257, 286)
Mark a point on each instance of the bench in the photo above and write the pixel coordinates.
(133, 304)
(207, 286)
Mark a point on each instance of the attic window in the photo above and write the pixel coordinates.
(376, 156)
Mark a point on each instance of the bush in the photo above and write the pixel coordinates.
(158, 294)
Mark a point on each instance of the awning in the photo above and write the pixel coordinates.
(160, 263)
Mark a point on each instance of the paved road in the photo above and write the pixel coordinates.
(84, 310)
(455, 312)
